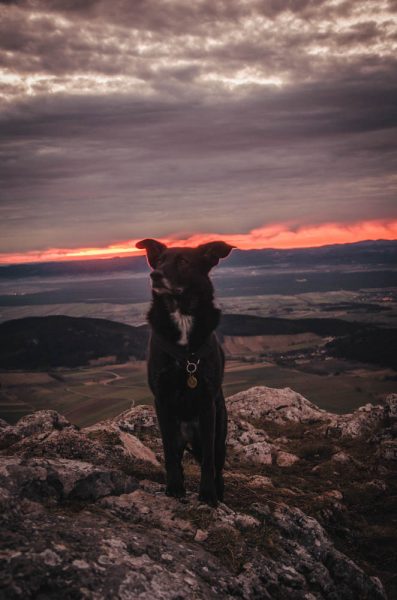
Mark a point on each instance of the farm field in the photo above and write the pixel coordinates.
(88, 395)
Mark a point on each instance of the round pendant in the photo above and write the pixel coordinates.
(192, 381)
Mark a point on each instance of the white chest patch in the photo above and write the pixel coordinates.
(184, 324)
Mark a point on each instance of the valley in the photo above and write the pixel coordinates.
(87, 395)
(322, 321)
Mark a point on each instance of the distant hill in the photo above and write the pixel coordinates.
(380, 252)
(245, 325)
(60, 341)
(135, 264)
(371, 345)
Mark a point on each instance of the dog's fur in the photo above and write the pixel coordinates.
(183, 319)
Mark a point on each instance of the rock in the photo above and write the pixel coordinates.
(50, 557)
(8, 436)
(144, 508)
(359, 423)
(87, 555)
(80, 520)
(241, 432)
(246, 522)
(377, 485)
(306, 549)
(39, 424)
(286, 459)
(129, 443)
(47, 433)
(388, 450)
(167, 557)
(330, 496)
(201, 535)
(276, 405)
(341, 457)
(42, 421)
(60, 480)
(259, 481)
(141, 422)
(391, 407)
(250, 444)
(259, 453)
(283, 406)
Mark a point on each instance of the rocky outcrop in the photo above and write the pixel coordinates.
(367, 419)
(59, 480)
(84, 513)
(47, 433)
(276, 405)
(266, 405)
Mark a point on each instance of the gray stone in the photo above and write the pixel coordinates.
(277, 405)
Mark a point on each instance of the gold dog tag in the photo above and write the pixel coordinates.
(192, 381)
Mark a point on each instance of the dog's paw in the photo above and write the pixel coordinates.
(219, 485)
(175, 490)
(209, 497)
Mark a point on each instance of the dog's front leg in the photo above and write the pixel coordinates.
(207, 433)
(173, 450)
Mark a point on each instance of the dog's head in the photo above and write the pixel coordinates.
(176, 270)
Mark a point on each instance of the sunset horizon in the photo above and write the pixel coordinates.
(275, 237)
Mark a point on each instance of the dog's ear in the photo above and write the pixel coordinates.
(214, 251)
(154, 250)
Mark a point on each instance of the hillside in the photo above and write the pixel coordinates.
(246, 325)
(42, 343)
(46, 342)
(309, 507)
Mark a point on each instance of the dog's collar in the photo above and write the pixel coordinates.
(184, 353)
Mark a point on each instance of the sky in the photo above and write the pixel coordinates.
(264, 123)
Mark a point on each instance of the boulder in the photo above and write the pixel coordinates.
(286, 459)
(47, 433)
(361, 422)
(38, 424)
(130, 445)
(275, 405)
(249, 444)
(60, 480)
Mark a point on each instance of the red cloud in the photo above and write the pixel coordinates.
(281, 236)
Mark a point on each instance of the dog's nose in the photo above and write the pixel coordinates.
(156, 276)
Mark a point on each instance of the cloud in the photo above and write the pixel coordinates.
(278, 236)
(122, 118)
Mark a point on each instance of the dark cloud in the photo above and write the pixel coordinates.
(124, 117)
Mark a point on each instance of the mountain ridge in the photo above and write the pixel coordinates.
(372, 251)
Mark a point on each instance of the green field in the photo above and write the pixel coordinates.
(88, 395)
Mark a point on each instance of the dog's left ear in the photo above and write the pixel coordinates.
(154, 250)
(214, 251)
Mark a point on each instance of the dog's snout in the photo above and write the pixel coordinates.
(156, 276)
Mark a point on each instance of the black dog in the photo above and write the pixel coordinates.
(186, 363)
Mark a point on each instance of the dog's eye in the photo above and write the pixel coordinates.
(184, 262)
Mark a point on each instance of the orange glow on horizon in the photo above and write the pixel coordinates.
(277, 236)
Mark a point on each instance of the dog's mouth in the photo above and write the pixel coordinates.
(170, 292)
(165, 287)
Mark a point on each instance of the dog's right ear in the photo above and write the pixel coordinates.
(154, 250)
